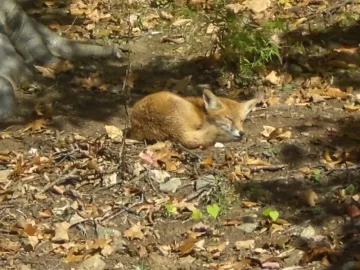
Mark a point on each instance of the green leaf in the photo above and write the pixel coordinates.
(213, 210)
(274, 215)
(170, 208)
(267, 211)
(196, 214)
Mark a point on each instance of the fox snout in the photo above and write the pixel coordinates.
(239, 134)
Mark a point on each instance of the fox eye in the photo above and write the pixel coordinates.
(229, 119)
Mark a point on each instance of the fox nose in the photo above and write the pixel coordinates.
(240, 134)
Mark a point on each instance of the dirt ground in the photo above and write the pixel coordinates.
(101, 186)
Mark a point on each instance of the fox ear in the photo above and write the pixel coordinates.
(247, 107)
(212, 102)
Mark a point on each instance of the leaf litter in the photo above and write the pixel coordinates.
(71, 199)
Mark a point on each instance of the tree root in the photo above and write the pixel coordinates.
(25, 42)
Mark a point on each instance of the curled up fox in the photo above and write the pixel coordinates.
(191, 121)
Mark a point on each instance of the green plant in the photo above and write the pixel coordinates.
(245, 46)
(351, 189)
(272, 213)
(213, 210)
(170, 209)
(317, 175)
(185, 12)
(141, 265)
(196, 214)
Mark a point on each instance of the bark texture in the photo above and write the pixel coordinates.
(25, 42)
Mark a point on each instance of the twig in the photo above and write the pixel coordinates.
(126, 89)
(347, 168)
(268, 168)
(137, 178)
(337, 5)
(62, 178)
(110, 217)
(190, 152)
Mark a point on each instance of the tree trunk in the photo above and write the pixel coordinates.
(25, 42)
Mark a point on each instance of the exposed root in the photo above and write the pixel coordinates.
(24, 42)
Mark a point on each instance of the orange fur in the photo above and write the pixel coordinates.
(190, 121)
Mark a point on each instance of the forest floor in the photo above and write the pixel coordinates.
(76, 194)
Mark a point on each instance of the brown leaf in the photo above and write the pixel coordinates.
(272, 100)
(315, 254)
(61, 232)
(207, 162)
(310, 197)
(245, 244)
(256, 161)
(352, 210)
(232, 222)
(161, 154)
(187, 246)
(134, 232)
(37, 125)
(46, 72)
(249, 204)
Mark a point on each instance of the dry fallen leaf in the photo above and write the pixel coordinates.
(37, 125)
(187, 246)
(113, 132)
(134, 232)
(181, 22)
(273, 78)
(61, 232)
(160, 155)
(256, 161)
(245, 244)
(257, 6)
(309, 197)
(272, 101)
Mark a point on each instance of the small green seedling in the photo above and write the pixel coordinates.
(351, 189)
(140, 266)
(272, 213)
(196, 214)
(170, 209)
(317, 175)
(213, 210)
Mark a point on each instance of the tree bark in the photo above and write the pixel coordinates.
(25, 42)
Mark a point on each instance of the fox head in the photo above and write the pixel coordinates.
(228, 115)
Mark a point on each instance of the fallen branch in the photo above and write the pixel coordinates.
(119, 212)
(61, 179)
(268, 168)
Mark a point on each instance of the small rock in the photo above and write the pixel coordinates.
(317, 98)
(308, 232)
(119, 266)
(171, 186)
(247, 227)
(158, 175)
(92, 263)
(206, 180)
(257, 6)
(4, 175)
(247, 244)
(219, 145)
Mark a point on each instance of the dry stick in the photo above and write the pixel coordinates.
(62, 178)
(268, 168)
(135, 179)
(126, 90)
(337, 5)
(190, 152)
(107, 218)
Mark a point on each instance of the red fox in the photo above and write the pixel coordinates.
(191, 121)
